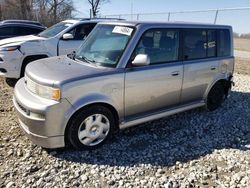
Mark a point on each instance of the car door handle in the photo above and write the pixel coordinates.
(175, 73)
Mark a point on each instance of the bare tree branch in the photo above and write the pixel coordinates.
(95, 5)
(47, 12)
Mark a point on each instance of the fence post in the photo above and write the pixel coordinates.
(216, 16)
(169, 16)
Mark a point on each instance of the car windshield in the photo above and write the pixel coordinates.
(105, 45)
(54, 30)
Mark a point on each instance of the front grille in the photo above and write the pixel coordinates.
(31, 85)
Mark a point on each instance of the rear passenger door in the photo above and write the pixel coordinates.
(156, 86)
(200, 63)
(79, 33)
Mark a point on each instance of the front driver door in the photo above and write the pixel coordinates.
(157, 86)
(79, 33)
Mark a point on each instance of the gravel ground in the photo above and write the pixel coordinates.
(191, 149)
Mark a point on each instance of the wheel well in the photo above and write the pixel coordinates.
(29, 59)
(110, 107)
(226, 84)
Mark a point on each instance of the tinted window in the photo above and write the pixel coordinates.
(25, 30)
(81, 31)
(211, 43)
(161, 45)
(30, 31)
(195, 44)
(6, 31)
(224, 43)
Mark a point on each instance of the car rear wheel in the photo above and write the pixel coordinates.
(215, 97)
(91, 127)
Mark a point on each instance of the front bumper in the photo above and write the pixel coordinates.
(42, 120)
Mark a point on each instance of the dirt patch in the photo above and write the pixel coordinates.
(242, 44)
(242, 66)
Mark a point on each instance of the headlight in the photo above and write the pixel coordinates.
(43, 91)
(9, 48)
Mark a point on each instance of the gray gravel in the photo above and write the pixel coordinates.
(192, 149)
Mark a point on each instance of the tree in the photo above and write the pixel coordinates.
(48, 12)
(60, 9)
(95, 6)
(16, 9)
(236, 35)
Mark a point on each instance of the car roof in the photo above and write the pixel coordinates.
(22, 21)
(160, 23)
(21, 24)
(27, 23)
(92, 20)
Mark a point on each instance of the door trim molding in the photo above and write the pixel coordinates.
(160, 114)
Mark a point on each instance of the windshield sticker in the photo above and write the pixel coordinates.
(122, 30)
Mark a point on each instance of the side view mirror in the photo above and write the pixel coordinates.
(67, 36)
(141, 60)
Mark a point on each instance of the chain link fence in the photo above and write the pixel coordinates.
(239, 18)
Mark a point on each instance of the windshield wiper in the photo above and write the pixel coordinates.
(87, 60)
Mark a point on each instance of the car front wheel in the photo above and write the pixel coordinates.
(91, 127)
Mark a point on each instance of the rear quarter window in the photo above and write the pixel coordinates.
(206, 43)
(224, 43)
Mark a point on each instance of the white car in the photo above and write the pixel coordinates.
(60, 39)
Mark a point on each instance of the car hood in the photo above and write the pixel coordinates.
(20, 39)
(57, 71)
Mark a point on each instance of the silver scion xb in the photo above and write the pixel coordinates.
(124, 74)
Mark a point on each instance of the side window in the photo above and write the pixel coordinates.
(82, 31)
(20, 30)
(224, 43)
(211, 43)
(195, 44)
(6, 31)
(161, 45)
(17, 30)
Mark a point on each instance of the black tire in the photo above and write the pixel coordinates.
(215, 97)
(77, 120)
(11, 81)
